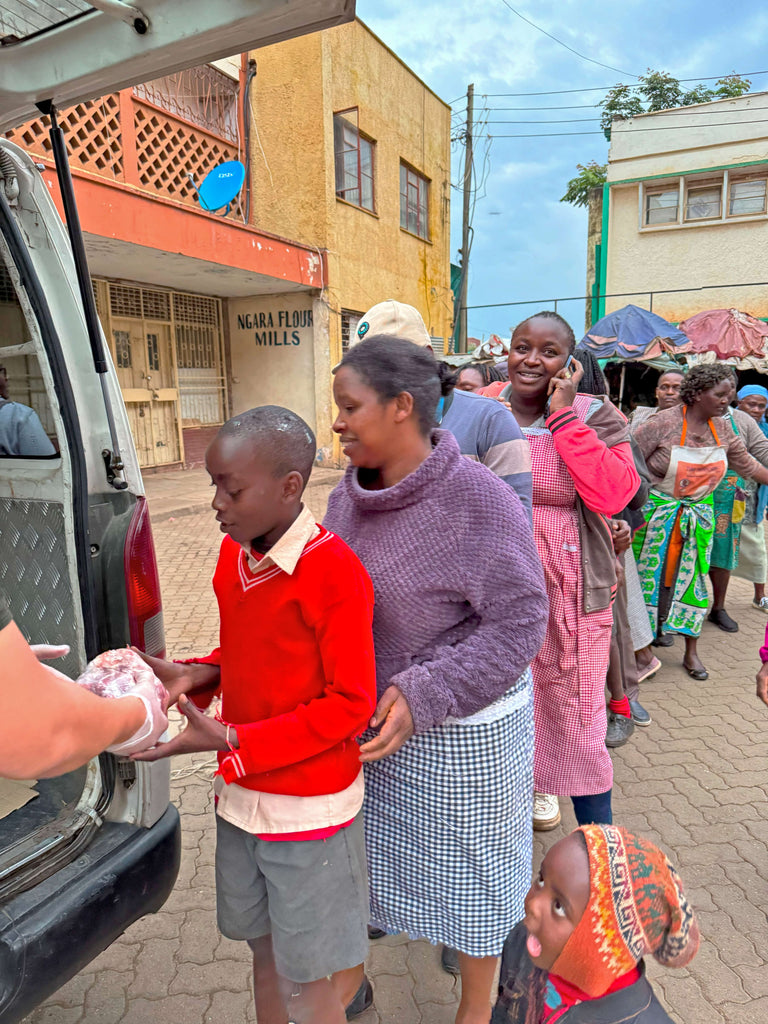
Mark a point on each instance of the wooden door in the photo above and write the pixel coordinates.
(147, 374)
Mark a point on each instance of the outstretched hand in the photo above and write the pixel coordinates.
(181, 678)
(394, 720)
(201, 733)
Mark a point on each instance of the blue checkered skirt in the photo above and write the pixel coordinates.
(448, 822)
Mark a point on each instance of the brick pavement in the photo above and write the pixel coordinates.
(695, 782)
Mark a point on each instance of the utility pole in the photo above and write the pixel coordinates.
(465, 228)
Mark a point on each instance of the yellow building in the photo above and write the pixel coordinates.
(350, 155)
(684, 220)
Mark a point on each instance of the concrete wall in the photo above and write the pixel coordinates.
(594, 238)
(377, 259)
(689, 138)
(272, 342)
(656, 149)
(684, 257)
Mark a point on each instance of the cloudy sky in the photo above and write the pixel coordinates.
(529, 246)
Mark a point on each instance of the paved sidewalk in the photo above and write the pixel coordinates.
(182, 492)
(695, 782)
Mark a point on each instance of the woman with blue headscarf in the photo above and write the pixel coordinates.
(753, 560)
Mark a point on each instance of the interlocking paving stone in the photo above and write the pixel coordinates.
(695, 782)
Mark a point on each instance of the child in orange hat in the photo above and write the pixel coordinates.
(603, 900)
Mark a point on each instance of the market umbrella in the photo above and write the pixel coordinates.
(729, 333)
(634, 333)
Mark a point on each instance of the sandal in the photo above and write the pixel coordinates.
(651, 671)
(696, 673)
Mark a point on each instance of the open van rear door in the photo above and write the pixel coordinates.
(74, 51)
(93, 850)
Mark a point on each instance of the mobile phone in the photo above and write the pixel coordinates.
(568, 362)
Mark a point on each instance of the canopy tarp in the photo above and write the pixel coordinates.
(728, 333)
(634, 333)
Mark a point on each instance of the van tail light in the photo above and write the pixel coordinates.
(145, 607)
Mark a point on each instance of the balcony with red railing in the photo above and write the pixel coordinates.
(152, 137)
(132, 154)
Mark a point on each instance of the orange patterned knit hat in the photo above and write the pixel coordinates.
(636, 907)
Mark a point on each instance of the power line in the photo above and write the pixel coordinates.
(573, 120)
(682, 112)
(658, 128)
(576, 106)
(628, 85)
(618, 295)
(560, 42)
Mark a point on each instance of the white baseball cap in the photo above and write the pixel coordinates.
(397, 319)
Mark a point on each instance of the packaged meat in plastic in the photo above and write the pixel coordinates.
(116, 673)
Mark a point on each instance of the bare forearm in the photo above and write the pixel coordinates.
(48, 725)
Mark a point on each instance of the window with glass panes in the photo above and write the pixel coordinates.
(694, 199)
(747, 197)
(661, 207)
(702, 202)
(354, 163)
(414, 202)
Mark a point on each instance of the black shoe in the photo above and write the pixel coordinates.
(639, 715)
(363, 999)
(449, 961)
(721, 618)
(663, 641)
(620, 728)
(696, 673)
(375, 933)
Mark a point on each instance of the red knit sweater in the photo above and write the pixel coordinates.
(298, 676)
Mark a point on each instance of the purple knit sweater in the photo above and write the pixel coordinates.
(461, 608)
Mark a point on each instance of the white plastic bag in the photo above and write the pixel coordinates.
(116, 673)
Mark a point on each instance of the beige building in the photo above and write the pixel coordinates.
(683, 222)
(350, 155)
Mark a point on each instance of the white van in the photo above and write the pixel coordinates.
(84, 855)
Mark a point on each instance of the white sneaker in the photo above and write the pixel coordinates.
(546, 812)
(761, 605)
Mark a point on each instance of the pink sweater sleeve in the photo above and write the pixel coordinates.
(605, 478)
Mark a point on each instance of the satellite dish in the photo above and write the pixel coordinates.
(220, 186)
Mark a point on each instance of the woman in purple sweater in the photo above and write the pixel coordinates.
(460, 613)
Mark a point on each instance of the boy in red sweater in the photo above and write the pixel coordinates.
(296, 674)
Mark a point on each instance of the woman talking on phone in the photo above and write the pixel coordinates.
(583, 471)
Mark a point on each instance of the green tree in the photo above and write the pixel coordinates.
(656, 90)
(731, 86)
(660, 91)
(621, 102)
(590, 175)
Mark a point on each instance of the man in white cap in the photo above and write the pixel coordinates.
(485, 430)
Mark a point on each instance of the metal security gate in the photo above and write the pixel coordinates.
(168, 351)
(200, 356)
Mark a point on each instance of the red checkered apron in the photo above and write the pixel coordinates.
(569, 671)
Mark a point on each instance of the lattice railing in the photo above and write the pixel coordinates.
(93, 135)
(169, 150)
(154, 150)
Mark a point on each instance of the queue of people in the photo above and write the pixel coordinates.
(392, 727)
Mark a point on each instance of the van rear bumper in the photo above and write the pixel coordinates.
(52, 931)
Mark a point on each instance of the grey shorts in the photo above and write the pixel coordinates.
(311, 896)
